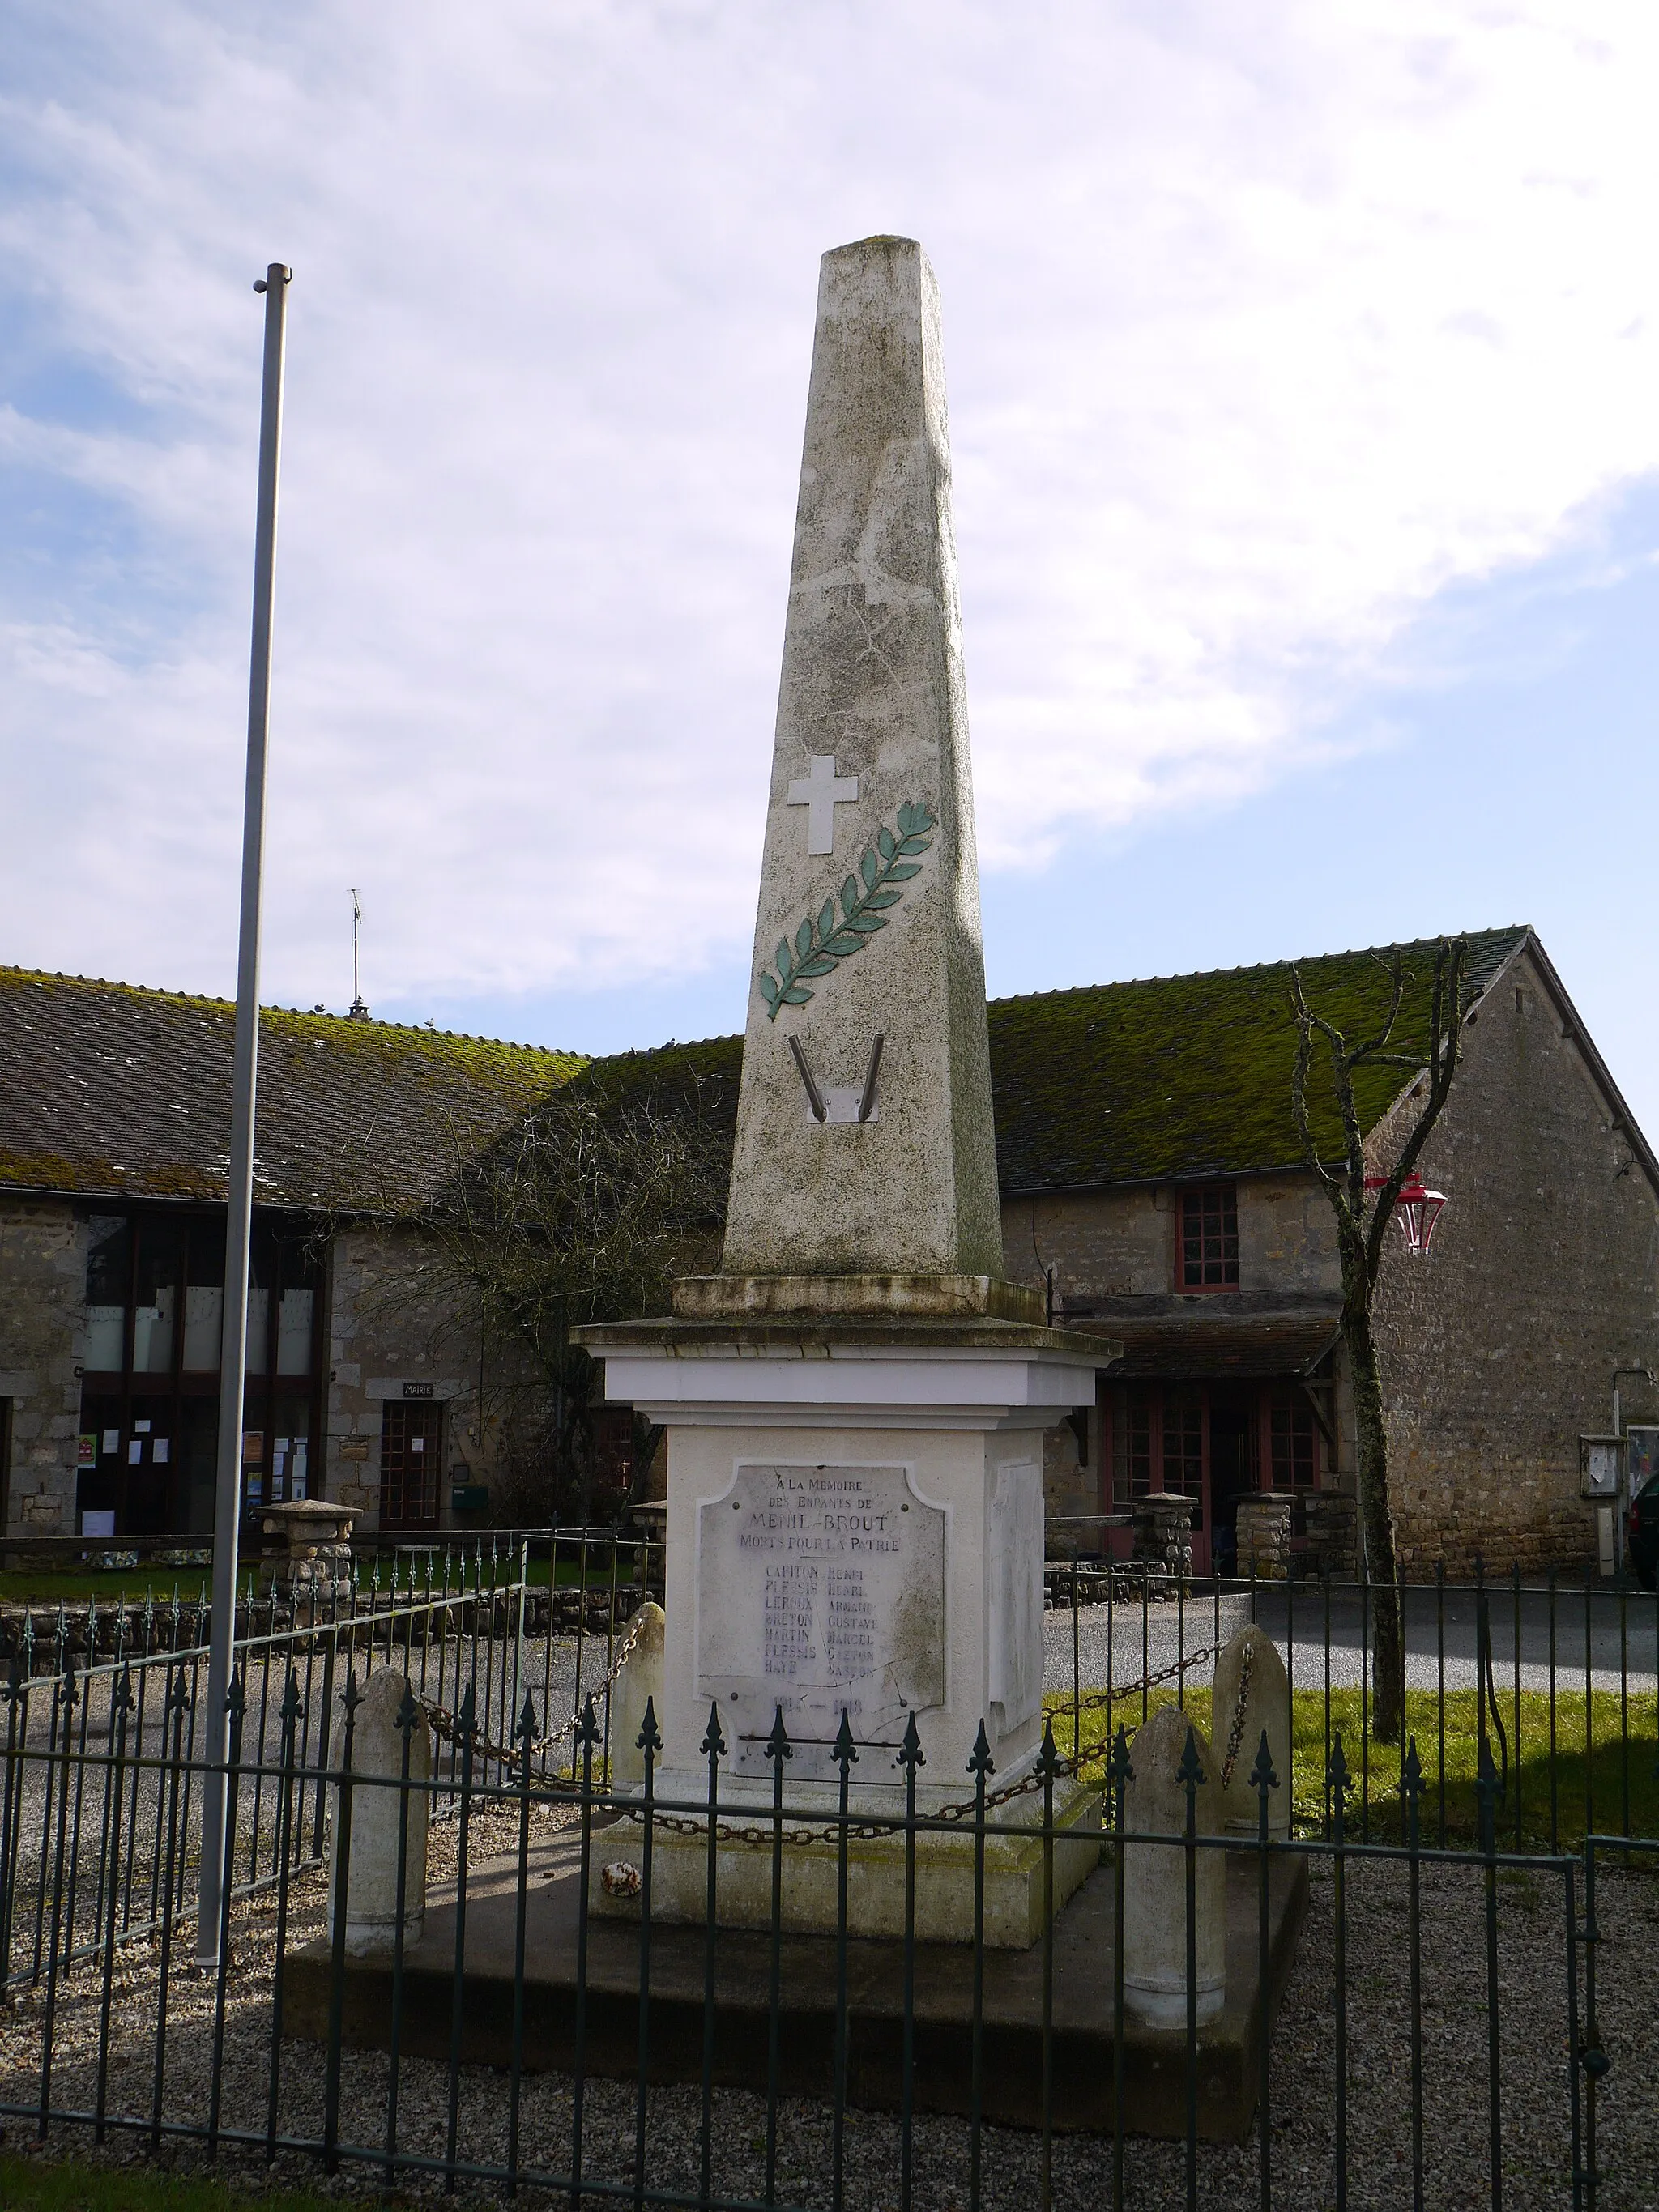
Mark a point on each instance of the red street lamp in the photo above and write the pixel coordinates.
(1415, 1209)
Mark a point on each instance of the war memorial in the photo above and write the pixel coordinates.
(834, 1803)
(833, 1831)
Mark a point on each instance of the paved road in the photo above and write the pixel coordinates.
(1117, 1643)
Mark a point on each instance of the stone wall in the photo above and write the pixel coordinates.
(397, 1319)
(1122, 1244)
(1499, 1348)
(392, 1322)
(42, 1285)
(1070, 1481)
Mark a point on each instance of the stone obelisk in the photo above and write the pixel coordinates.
(866, 1076)
(856, 1402)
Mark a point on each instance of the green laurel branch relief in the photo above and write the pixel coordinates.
(822, 942)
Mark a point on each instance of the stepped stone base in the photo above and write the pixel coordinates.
(1014, 1887)
(1154, 2063)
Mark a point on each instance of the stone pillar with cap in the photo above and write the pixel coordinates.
(305, 1555)
(1265, 1524)
(1163, 1540)
(856, 1403)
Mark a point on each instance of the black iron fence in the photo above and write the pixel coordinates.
(1437, 1951)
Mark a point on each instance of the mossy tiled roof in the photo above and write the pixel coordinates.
(107, 1089)
(1190, 1075)
(1180, 1076)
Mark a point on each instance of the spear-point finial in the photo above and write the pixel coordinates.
(778, 1746)
(1047, 1757)
(1411, 1771)
(1263, 1776)
(1117, 1766)
(1337, 1776)
(911, 1754)
(1190, 1772)
(846, 1751)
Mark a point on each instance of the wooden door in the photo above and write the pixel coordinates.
(411, 1454)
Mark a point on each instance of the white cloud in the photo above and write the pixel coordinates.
(1262, 328)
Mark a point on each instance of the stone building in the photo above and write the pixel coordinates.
(1151, 1181)
(1148, 1156)
(364, 1377)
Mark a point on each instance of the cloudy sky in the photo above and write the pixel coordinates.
(1305, 375)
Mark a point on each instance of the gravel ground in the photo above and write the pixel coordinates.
(1534, 2076)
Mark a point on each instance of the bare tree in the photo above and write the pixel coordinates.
(584, 1210)
(1362, 1225)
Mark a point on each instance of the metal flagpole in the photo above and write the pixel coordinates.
(228, 1490)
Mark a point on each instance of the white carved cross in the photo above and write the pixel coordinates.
(821, 793)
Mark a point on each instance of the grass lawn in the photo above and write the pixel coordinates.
(75, 1585)
(1620, 1773)
(43, 2185)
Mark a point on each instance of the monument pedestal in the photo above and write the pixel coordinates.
(1014, 1880)
(854, 1525)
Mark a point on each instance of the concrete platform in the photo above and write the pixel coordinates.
(1155, 2064)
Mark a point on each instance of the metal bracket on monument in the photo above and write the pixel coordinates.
(813, 1099)
(833, 1102)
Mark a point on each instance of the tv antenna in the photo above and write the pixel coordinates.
(358, 1010)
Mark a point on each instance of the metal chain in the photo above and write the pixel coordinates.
(1236, 1734)
(727, 1832)
(446, 1725)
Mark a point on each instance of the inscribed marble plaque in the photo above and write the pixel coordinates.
(820, 1589)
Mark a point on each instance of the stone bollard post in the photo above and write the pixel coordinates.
(1263, 1525)
(641, 1678)
(377, 1817)
(1164, 1533)
(1252, 1692)
(1154, 1879)
(307, 1554)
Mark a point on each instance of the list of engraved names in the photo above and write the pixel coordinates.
(821, 1590)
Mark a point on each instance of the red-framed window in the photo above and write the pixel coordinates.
(1184, 1429)
(1159, 1438)
(1159, 1441)
(1207, 1259)
(1293, 1441)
